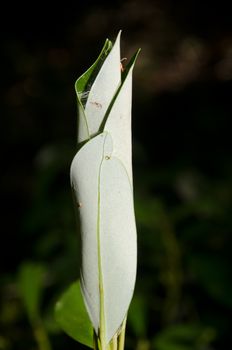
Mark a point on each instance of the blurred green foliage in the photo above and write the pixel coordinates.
(31, 288)
(30, 282)
(182, 168)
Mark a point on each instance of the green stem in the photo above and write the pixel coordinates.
(102, 335)
(41, 336)
(114, 343)
(121, 337)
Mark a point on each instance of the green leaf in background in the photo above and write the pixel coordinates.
(72, 317)
(31, 287)
(184, 337)
(137, 316)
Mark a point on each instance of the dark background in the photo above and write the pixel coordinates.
(182, 163)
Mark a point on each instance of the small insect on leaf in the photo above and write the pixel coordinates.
(121, 65)
(97, 104)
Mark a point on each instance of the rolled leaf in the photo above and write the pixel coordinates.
(101, 178)
(94, 96)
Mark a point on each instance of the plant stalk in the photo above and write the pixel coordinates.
(116, 343)
(41, 336)
(121, 337)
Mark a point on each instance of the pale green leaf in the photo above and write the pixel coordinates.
(104, 194)
(118, 122)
